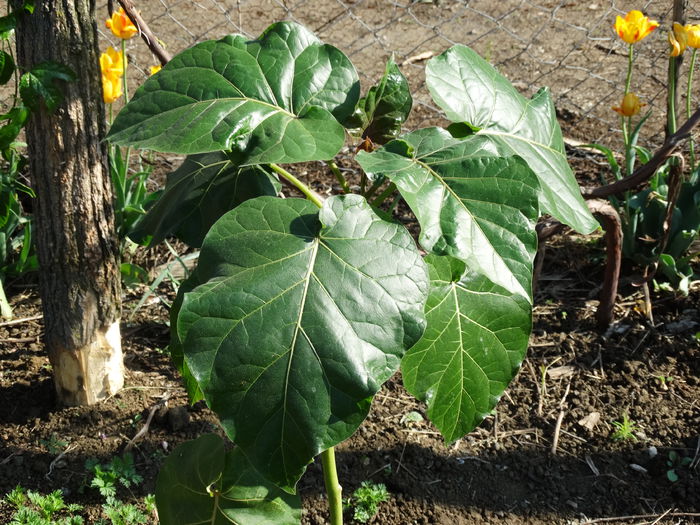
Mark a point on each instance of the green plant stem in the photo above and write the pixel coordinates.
(308, 193)
(630, 63)
(338, 175)
(671, 116)
(688, 106)
(391, 188)
(628, 83)
(124, 77)
(333, 489)
(373, 189)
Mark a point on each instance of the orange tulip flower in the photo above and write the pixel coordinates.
(692, 32)
(630, 105)
(634, 27)
(113, 63)
(111, 88)
(121, 26)
(678, 38)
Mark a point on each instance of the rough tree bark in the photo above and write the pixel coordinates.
(74, 218)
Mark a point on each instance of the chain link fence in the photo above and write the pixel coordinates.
(569, 46)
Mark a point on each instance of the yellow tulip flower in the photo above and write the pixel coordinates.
(113, 63)
(634, 27)
(678, 38)
(630, 105)
(121, 25)
(692, 32)
(111, 88)
(155, 69)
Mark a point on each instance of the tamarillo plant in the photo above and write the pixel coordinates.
(299, 309)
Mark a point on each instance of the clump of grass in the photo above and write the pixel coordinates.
(624, 429)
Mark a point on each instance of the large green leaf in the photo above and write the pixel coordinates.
(275, 99)
(198, 193)
(302, 315)
(381, 113)
(200, 483)
(478, 208)
(471, 91)
(474, 343)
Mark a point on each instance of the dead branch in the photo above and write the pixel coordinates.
(610, 221)
(645, 172)
(151, 41)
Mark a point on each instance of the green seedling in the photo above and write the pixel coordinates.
(366, 499)
(120, 470)
(120, 513)
(664, 381)
(53, 445)
(34, 508)
(624, 429)
(674, 462)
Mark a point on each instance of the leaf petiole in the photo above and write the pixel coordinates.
(308, 192)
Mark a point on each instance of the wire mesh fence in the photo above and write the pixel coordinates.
(569, 46)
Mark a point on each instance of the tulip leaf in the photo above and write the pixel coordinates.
(202, 483)
(40, 83)
(471, 91)
(302, 314)
(197, 194)
(480, 209)
(381, 113)
(275, 99)
(473, 346)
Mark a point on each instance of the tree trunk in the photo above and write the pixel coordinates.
(74, 217)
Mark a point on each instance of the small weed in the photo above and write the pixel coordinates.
(664, 381)
(119, 470)
(53, 445)
(412, 417)
(624, 429)
(33, 508)
(675, 461)
(120, 513)
(366, 499)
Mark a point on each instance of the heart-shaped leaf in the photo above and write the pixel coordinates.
(474, 343)
(197, 194)
(275, 99)
(302, 315)
(202, 483)
(471, 91)
(480, 209)
(381, 113)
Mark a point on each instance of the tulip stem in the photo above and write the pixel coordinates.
(688, 106)
(671, 111)
(628, 84)
(125, 84)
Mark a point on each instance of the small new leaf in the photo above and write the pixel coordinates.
(41, 84)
